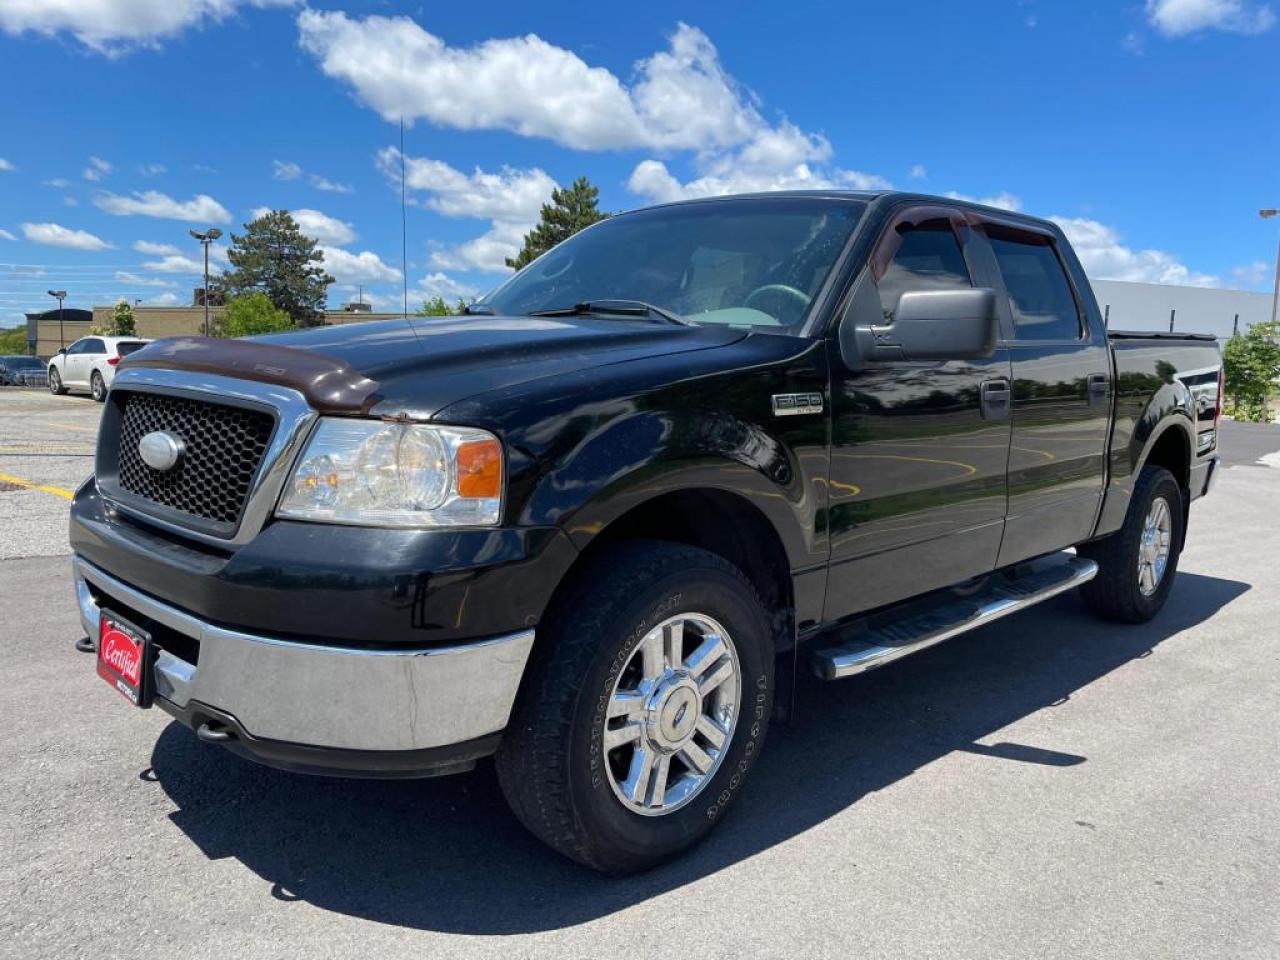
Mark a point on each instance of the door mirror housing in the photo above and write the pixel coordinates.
(63, 350)
(936, 325)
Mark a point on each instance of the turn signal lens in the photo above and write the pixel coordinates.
(480, 469)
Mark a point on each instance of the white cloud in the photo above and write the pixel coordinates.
(320, 227)
(58, 182)
(509, 194)
(97, 169)
(114, 27)
(511, 199)
(140, 281)
(781, 158)
(1257, 274)
(1104, 257)
(176, 263)
(152, 169)
(5, 165)
(363, 267)
(6, 235)
(443, 285)
(70, 202)
(162, 300)
(918, 171)
(681, 97)
(1004, 200)
(283, 170)
(55, 235)
(156, 249)
(201, 208)
(327, 185)
(487, 253)
(1177, 18)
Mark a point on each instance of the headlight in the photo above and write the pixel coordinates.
(381, 474)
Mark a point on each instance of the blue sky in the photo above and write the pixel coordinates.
(1149, 129)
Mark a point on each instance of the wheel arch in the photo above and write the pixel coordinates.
(725, 523)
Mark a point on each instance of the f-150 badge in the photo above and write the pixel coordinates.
(794, 404)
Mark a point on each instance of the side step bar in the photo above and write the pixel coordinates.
(1006, 595)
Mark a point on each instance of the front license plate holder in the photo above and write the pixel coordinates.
(125, 658)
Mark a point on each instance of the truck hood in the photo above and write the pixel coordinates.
(419, 365)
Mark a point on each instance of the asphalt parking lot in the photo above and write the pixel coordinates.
(1049, 786)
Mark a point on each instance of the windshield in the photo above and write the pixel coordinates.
(749, 263)
(21, 363)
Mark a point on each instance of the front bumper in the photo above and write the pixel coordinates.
(320, 708)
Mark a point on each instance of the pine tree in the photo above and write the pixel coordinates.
(273, 257)
(569, 211)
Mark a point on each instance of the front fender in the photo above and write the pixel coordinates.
(647, 453)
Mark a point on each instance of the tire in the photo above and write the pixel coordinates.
(97, 387)
(563, 782)
(56, 386)
(1118, 592)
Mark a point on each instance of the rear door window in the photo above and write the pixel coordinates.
(929, 258)
(93, 345)
(1040, 296)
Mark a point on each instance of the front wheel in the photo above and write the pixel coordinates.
(55, 382)
(97, 387)
(646, 704)
(1137, 563)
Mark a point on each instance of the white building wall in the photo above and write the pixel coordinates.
(1146, 306)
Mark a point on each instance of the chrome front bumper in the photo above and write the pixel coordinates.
(320, 696)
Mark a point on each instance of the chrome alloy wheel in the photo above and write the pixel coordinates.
(672, 714)
(1154, 546)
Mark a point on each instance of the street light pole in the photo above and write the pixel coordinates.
(59, 295)
(206, 238)
(1275, 293)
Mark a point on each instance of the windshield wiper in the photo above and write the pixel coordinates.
(622, 308)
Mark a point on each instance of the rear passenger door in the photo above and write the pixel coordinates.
(1061, 392)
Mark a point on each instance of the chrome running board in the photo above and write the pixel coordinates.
(1005, 595)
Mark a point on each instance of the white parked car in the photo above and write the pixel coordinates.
(90, 364)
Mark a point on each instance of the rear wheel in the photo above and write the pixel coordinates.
(55, 382)
(646, 704)
(97, 387)
(1137, 563)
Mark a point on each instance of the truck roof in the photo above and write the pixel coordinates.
(866, 196)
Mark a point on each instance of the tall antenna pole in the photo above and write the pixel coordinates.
(404, 229)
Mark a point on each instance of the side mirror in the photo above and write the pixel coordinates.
(63, 350)
(937, 325)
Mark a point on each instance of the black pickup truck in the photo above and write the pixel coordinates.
(592, 527)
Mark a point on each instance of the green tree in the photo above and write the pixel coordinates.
(274, 258)
(434, 307)
(14, 341)
(1252, 365)
(568, 212)
(122, 322)
(251, 314)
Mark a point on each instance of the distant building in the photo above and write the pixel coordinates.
(1149, 306)
(74, 323)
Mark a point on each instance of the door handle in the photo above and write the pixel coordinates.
(995, 399)
(1099, 384)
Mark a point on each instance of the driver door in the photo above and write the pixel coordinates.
(919, 450)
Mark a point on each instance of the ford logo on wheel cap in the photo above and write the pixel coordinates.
(160, 450)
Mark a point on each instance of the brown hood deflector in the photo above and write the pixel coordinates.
(328, 383)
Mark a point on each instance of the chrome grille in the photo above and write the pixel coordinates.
(224, 447)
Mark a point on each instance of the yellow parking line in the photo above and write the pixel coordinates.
(42, 487)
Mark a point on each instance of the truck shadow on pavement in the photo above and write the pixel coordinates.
(446, 855)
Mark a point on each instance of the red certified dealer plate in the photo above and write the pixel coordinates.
(122, 657)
